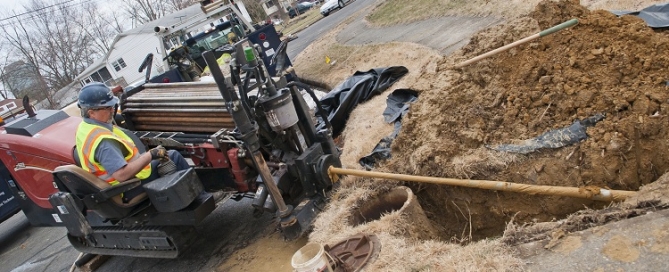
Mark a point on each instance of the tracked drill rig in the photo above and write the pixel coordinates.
(250, 136)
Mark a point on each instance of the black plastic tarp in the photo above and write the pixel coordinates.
(358, 88)
(655, 16)
(397, 105)
(556, 138)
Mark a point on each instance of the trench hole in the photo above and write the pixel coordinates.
(374, 208)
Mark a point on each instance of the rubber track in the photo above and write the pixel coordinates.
(175, 235)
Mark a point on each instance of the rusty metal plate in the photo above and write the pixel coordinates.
(353, 253)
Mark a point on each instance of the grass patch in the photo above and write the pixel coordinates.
(393, 12)
(300, 22)
(318, 68)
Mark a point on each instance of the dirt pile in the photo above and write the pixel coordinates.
(605, 64)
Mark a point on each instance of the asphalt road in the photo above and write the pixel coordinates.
(230, 227)
(322, 26)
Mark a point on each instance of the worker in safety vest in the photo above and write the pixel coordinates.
(106, 151)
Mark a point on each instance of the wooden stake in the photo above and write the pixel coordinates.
(517, 43)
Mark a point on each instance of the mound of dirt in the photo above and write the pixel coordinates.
(612, 65)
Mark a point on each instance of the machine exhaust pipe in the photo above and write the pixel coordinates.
(160, 29)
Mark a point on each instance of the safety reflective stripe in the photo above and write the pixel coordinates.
(87, 149)
(134, 154)
(89, 136)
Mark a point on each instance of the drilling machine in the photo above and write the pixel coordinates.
(256, 141)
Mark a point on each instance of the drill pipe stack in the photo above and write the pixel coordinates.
(178, 107)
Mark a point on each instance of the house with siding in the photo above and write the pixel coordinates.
(272, 10)
(120, 66)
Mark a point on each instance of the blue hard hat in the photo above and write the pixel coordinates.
(96, 94)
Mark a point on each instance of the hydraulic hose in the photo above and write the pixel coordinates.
(311, 93)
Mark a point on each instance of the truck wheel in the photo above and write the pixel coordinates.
(341, 4)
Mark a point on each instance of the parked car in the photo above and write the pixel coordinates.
(301, 8)
(330, 5)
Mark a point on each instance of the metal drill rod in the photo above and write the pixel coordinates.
(593, 192)
(168, 110)
(180, 85)
(268, 180)
(246, 127)
(173, 98)
(200, 129)
(222, 114)
(183, 119)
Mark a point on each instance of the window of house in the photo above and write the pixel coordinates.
(85, 81)
(269, 4)
(119, 64)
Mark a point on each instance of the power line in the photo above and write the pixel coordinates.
(35, 10)
(33, 16)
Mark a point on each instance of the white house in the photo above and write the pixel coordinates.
(120, 66)
(272, 9)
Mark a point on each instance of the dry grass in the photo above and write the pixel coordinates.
(316, 67)
(369, 118)
(400, 253)
(393, 12)
(400, 249)
(300, 22)
(480, 161)
(651, 197)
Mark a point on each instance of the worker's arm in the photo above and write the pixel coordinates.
(132, 168)
(109, 154)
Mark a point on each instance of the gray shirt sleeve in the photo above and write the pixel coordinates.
(109, 155)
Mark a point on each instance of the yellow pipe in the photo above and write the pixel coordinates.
(588, 192)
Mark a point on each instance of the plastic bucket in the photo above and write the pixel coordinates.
(311, 258)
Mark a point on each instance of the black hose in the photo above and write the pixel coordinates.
(87, 257)
(311, 93)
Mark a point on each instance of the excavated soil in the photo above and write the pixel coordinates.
(605, 64)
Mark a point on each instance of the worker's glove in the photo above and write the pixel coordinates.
(159, 152)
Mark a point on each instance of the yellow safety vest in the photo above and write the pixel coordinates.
(89, 137)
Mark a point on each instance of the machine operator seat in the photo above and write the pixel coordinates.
(97, 194)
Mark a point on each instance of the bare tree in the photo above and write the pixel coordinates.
(255, 10)
(180, 4)
(4, 93)
(99, 27)
(143, 11)
(19, 78)
(50, 39)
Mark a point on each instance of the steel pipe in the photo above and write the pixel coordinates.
(142, 119)
(180, 128)
(588, 192)
(186, 114)
(131, 110)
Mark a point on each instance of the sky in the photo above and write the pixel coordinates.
(9, 5)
